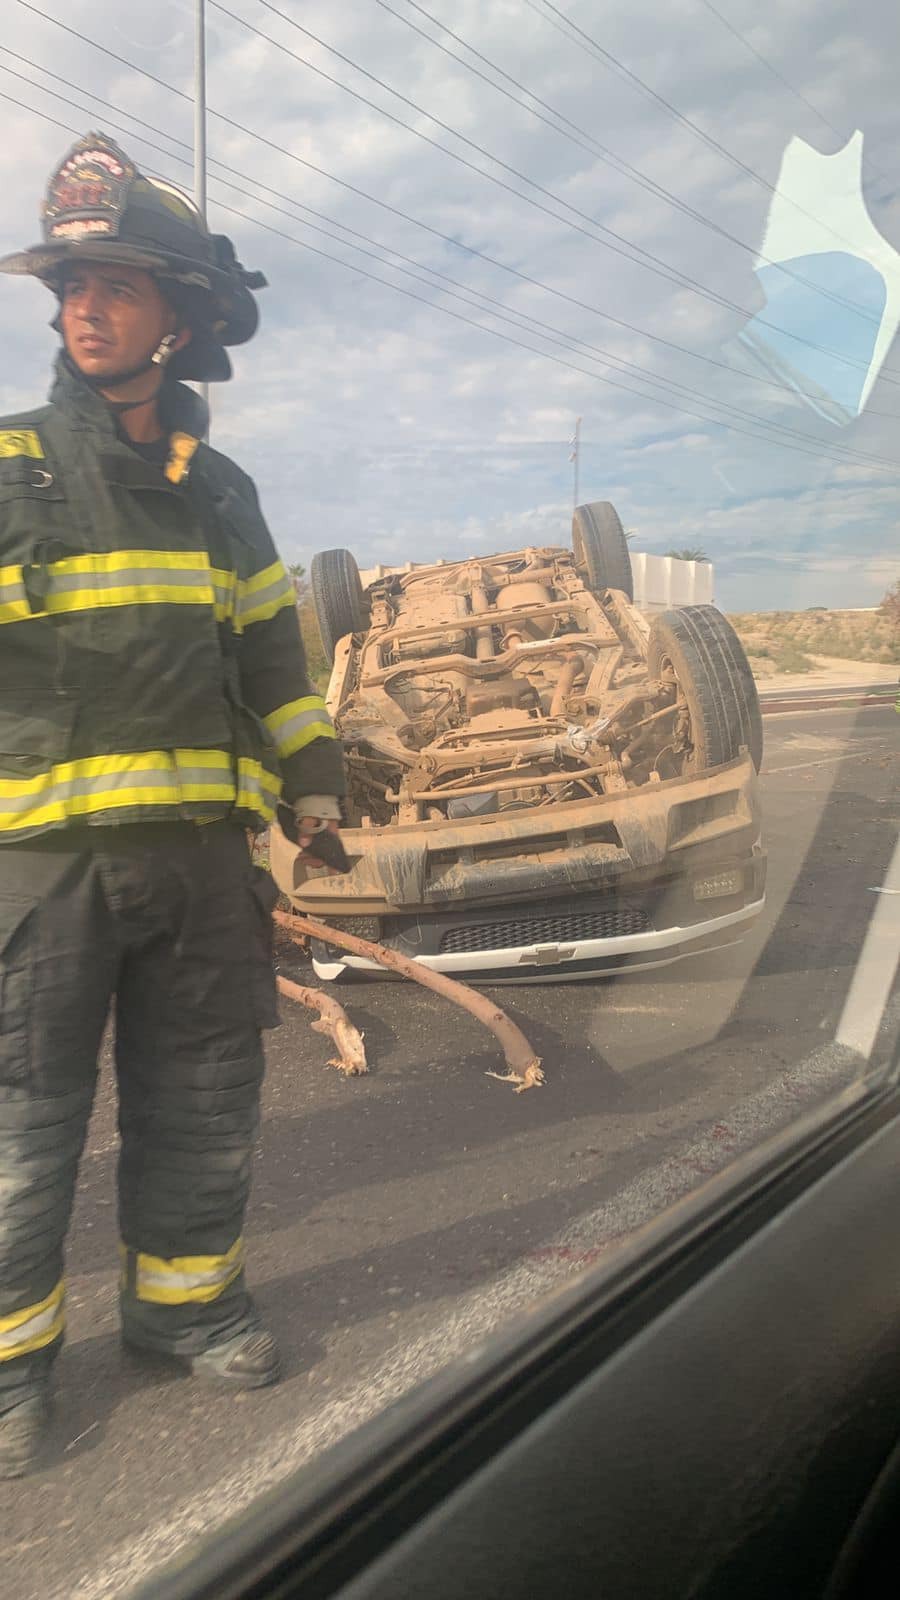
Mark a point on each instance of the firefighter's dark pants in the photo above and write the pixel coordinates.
(171, 923)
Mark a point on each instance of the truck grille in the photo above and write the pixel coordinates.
(564, 928)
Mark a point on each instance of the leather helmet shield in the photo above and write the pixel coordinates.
(88, 192)
(99, 207)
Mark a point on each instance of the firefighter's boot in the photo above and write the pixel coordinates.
(248, 1360)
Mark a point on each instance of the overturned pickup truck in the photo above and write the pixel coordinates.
(543, 784)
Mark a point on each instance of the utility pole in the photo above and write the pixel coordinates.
(200, 123)
(575, 446)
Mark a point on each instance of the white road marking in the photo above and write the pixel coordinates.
(883, 703)
(873, 978)
(827, 761)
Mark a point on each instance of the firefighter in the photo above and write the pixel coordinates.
(154, 706)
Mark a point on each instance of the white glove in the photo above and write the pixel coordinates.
(324, 806)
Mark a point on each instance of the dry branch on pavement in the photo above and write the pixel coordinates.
(523, 1065)
(333, 1020)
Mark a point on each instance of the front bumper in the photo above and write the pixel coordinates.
(592, 958)
(576, 890)
(574, 848)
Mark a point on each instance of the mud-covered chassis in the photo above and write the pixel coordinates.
(515, 728)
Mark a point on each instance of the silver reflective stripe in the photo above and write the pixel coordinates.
(302, 719)
(13, 1338)
(130, 578)
(169, 782)
(187, 1280)
(251, 786)
(182, 1279)
(276, 590)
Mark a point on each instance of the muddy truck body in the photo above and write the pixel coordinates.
(543, 782)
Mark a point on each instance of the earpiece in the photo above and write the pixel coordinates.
(164, 351)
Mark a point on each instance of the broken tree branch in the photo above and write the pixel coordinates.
(523, 1065)
(333, 1019)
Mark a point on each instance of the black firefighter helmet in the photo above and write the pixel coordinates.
(99, 207)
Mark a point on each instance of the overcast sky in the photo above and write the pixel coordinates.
(374, 420)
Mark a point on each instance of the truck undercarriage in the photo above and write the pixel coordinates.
(515, 727)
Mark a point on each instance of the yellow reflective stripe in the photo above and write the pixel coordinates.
(275, 720)
(132, 577)
(35, 1327)
(114, 782)
(121, 578)
(260, 597)
(20, 442)
(183, 1279)
(223, 588)
(299, 722)
(258, 790)
(149, 778)
(262, 579)
(135, 594)
(122, 560)
(14, 605)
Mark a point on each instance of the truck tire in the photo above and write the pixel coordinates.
(337, 594)
(601, 549)
(701, 648)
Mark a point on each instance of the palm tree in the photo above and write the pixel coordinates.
(301, 582)
(692, 553)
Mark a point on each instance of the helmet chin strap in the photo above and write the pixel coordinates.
(160, 359)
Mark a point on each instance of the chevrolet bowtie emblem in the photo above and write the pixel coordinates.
(547, 955)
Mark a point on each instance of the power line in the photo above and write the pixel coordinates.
(511, 315)
(623, 247)
(593, 147)
(576, 35)
(525, 323)
(389, 250)
(650, 262)
(508, 339)
(86, 39)
(505, 313)
(765, 438)
(886, 374)
(791, 87)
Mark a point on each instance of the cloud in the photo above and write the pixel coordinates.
(369, 416)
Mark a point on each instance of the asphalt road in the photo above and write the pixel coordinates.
(398, 1218)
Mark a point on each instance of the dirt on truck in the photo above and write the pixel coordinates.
(542, 780)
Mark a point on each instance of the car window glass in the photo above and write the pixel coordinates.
(573, 414)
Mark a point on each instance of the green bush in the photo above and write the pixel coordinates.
(319, 669)
(788, 658)
(845, 635)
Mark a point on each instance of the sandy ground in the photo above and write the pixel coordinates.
(829, 672)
